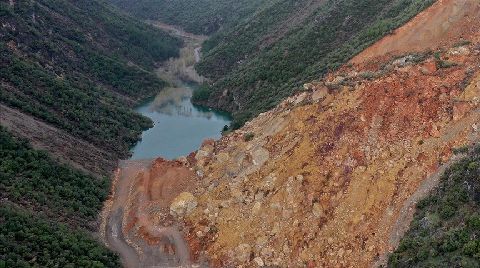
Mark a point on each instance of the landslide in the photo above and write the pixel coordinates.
(330, 176)
(267, 57)
(322, 179)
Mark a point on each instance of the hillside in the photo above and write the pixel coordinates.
(87, 65)
(70, 73)
(48, 211)
(261, 61)
(195, 16)
(330, 176)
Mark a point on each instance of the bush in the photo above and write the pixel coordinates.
(248, 137)
(453, 240)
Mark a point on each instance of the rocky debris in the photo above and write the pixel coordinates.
(183, 205)
(258, 261)
(243, 252)
(325, 187)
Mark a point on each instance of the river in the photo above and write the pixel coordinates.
(179, 129)
(179, 126)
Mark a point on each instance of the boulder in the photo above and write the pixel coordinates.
(183, 205)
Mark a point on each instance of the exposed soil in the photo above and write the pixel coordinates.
(136, 221)
(445, 24)
(60, 144)
(329, 177)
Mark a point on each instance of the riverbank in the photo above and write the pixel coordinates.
(136, 221)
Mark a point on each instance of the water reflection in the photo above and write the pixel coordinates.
(176, 101)
(179, 126)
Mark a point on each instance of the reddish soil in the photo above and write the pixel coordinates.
(445, 24)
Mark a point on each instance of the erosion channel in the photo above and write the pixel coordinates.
(143, 187)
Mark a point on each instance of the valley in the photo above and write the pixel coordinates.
(272, 133)
(331, 176)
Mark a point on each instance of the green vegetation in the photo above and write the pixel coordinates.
(195, 16)
(78, 66)
(267, 57)
(32, 178)
(249, 136)
(28, 240)
(86, 65)
(46, 210)
(445, 231)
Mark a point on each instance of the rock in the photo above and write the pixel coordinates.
(183, 205)
(243, 252)
(463, 50)
(269, 182)
(317, 210)
(256, 208)
(260, 156)
(319, 94)
(258, 261)
(475, 127)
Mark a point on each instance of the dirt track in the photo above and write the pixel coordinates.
(136, 221)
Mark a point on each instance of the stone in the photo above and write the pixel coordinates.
(319, 94)
(243, 252)
(258, 261)
(317, 210)
(256, 208)
(260, 156)
(183, 205)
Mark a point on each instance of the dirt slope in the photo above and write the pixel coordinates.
(62, 145)
(329, 177)
(446, 23)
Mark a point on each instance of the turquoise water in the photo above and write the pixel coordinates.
(179, 126)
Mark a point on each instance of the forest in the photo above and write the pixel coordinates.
(48, 210)
(86, 67)
(445, 231)
(80, 67)
(196, 16)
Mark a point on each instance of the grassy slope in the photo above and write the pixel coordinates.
(86, 63)
(445, 231)
(258, 74)
(46, 210)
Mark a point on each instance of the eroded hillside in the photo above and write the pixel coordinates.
(329, 177)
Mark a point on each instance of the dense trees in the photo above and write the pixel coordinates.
(32, 178)
(29, 240)
(267, 57)
(86, 65)
(196, 16)
(445, 231)
(46, 210)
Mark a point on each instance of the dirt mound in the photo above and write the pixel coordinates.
(136, 221)
(445, 24)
